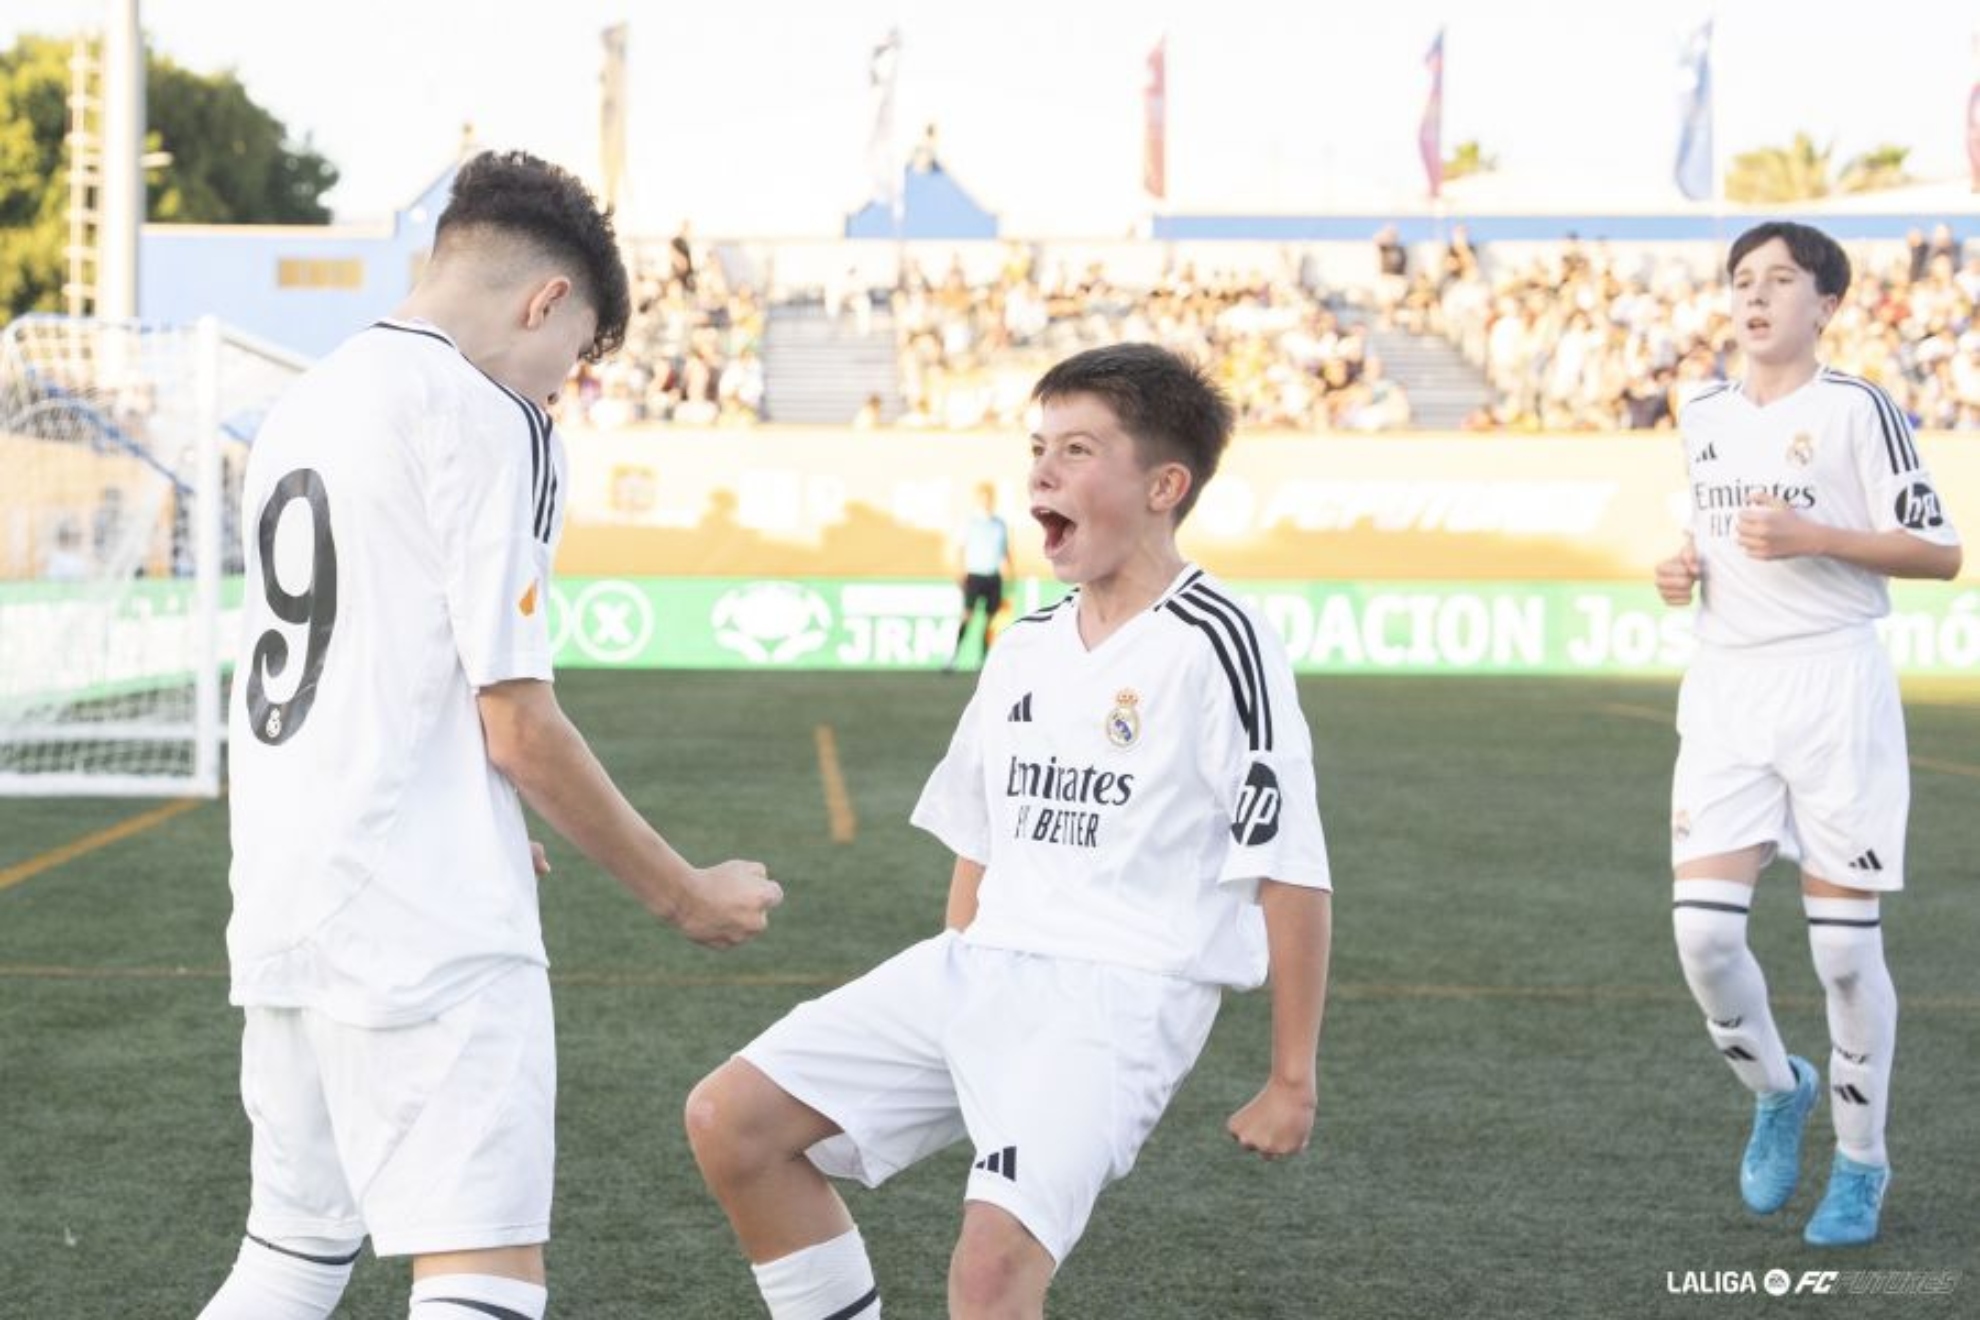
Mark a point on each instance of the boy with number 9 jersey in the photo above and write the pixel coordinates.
(392, 704)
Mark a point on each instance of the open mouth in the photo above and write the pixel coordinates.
(1758, 325)
(1058, 528)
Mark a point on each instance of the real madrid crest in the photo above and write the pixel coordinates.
(1801, 449)
(1124, 720)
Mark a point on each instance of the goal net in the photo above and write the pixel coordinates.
(121, 451)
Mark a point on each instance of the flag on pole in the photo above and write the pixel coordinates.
(1973, 119)
(1430, 133)
(1694, 171)
(883, 164)
(1155, 123)
(612, 116)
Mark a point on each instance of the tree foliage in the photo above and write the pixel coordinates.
(1469, 158)
(1802, 172)
(232, 162)
(1877, 169)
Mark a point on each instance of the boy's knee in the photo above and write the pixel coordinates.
(711, 1117)
(998, 1268)
(1709, 947)
(982, 1280)
(739, 1123)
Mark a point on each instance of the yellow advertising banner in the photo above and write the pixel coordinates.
(60, 500)
(842, 503)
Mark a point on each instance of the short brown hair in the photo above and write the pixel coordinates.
(1812, 250)
(1169, 405)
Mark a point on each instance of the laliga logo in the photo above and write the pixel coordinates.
(771, 623)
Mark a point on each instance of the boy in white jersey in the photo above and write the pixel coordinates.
(1130, 798)
(402, 505)
(1807, 496)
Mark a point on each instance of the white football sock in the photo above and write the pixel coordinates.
(1708, 918)
(298, 1279)
(1847, 943)
(831, 1281)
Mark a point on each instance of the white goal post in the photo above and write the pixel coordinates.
(121, 451)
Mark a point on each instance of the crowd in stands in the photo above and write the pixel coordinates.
(1569, 336)
(693, 352)
(1577, 339)
(970, 353)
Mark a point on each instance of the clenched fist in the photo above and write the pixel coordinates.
(1678, 575)
(725, 905)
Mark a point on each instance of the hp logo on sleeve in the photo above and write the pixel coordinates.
(1918, 508)
(1257, 815)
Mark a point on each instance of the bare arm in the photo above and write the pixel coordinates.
(1678, 575)
(531, 741)
(1769, 529)
(1299, 934)
(963, 884)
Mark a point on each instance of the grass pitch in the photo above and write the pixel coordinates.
(1521, 1114)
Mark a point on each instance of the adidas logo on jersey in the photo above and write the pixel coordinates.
(1000, 1161)
(1709, 454)
(1021, 713)
(1867, 862)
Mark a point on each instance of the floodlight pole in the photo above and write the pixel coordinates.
(121, 189)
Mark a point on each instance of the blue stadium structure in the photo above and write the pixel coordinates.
(304, 287)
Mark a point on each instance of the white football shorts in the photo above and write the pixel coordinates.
(1055, 1069)
(1804, 752)
(433, 1137)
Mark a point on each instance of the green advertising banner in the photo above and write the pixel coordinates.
(83, 640)
(56, 641)
(1342, 628)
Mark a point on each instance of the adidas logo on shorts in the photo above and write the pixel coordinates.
(1867, 862)
(1000, 1161)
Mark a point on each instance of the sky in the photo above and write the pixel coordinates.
(752, 117)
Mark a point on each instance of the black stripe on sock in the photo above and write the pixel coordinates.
(472, 1304)
(1844, 921)
(304, 1255)
(848, 1312)
(1710, 907)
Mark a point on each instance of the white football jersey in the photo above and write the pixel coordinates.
(1125, 801)
(399, 516)
(1838, 452)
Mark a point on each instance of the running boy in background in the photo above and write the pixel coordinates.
(1130, 797)
(985, 549)
(1808, 494)
(392, 702)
